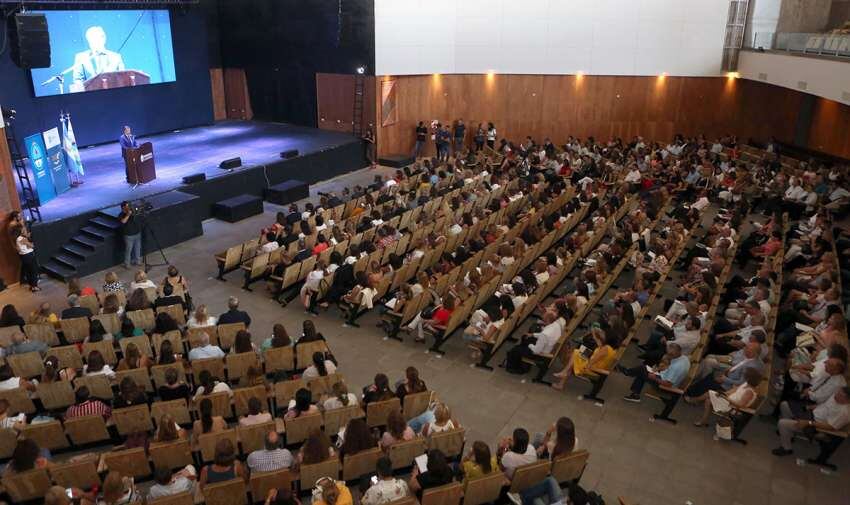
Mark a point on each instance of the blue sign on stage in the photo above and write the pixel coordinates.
(56, 160)
(40, 168)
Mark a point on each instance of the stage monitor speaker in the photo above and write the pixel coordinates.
(291, 153)
(230, 164)
(30, 41)
(192, 179)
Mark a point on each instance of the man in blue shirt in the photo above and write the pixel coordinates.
(671, 375)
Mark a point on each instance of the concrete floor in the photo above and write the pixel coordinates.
(650, 463)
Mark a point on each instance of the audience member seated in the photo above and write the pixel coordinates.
(515, 451)
(74, 310)
(271, 457)
(332, 492)
(388, 488)
(133, 359)
(96, 365)
(603, 353)
(279, 338)
(478, 462)
(26, 456)
(316, 448)
(831, 415)
(86, 406)
(355, 437)
(397, 430)
(168, 298)
(379, 391)
(207, 422)
(671, 372)
(169, 483)
(741, 396)
(112, 284)
(438, 473)
(205, 350)
(21, 344)
(233, 314)
(301, 405)
(209, 385)
(256, 413)
(224, 467)
(141, 281)
(201, 318)
(43, 315)
(321, 367)
(138, 300)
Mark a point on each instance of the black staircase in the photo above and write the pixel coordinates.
(357, 116)
(30, 201)
(91, 250)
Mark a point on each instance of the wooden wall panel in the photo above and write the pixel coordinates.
(830, 127)
(218, 97)
(602, 106)
(335, 102)
(10, 265)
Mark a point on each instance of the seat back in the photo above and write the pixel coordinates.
(529, 475)
(263, 482)
(141, 341)
(6, 335)
(285, 391)
(357, 465)
(450, 494)
(19, 401)
(143, 319)
(111, 322)
(193, 336)
(279, 359)
(150, 293)
(48, 435)
(173, 336)
(176, 499)
(220, 404)
(323, 385)
(68, 356)
(402, 454)
(238, 364)
(75, 329)
(98, 385)
(176, 454)
(415, 404)
(8, 442)
(175, 311)
(26, 365)
(241, 396)
(227, 334)
(299, 428)
(226, 493)
(26, 486)
(569, 468)
(86, 429)
(56, 395)
(214, 365)
(208, 441)
(309, 474)
(252, 437)
(90, 302)
(377, 412)
(158, 373)
(484, 489)
(80, 474)
(42, 332)
(128, 462)
(451, 442)
(178, 409)
(135, 419)
(337, 418)
(304, 353)
(105, 348)
(138, 375)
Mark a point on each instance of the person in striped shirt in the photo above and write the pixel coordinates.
(86, 406)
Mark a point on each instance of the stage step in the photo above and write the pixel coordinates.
(97, 233)
(59, 271)
(84, 241)
(68, 260)
(77, 251)
(106, 221)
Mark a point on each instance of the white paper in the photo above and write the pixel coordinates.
(422, 462)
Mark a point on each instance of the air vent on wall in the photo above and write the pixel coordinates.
(762, 76)
(802, 85)
(845, 95)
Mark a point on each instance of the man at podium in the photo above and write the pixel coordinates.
(96, 60)
(127, 139)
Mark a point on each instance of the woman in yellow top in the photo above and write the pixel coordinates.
(478, 462)
(331, 492)
(603, 358)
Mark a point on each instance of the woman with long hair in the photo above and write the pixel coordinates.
(111, 305)
(340, 397)
(478, 462)
(201, 318)
(397, 430)
(279, 338)
(321, 367)
(379, 391)
(302, 405)
(97, 333)
(138, 300)
(411, 384)
(242, 343)
(438, 473)
(207, 423)
(224, 467)
(316, 448)
(133, 359)
(357, 437)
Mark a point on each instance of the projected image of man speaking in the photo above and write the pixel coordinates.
(97, 60)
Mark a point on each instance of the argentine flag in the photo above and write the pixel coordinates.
(69, 145)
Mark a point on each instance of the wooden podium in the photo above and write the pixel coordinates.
(122, 79)
(139, 164)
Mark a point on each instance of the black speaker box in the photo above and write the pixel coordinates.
(231, 163)
(30, 41)
(192, 179)
(291, 153)
(238, 208)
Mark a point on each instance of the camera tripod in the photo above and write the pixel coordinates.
(148, 230)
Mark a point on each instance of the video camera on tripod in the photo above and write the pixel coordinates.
(141, 207)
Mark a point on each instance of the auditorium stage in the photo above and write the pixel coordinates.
(191, 151)
(78, 233)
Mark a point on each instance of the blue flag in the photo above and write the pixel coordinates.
(69, 145)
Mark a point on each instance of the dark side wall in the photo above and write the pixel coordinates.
(282, 44)
(98, 116)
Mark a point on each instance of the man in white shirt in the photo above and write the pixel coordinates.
(271, 243)
(169, 484)
(205, 350)
(833, 414)
(515, 451)
(795, 192)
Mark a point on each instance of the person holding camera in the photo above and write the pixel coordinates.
(132, 231)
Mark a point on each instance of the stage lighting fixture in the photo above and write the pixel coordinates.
(361, 70)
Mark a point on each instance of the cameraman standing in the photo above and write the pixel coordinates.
(132, 232)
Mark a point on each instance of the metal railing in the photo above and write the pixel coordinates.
(821, 44)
